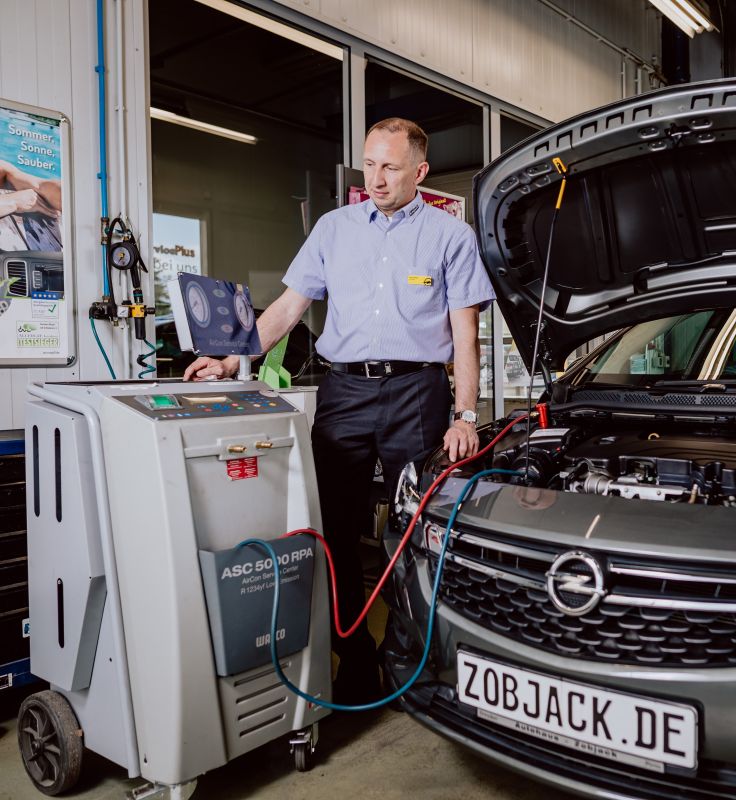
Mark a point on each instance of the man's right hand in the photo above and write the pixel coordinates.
(205, 367)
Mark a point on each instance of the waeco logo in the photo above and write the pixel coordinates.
(262, 641)
(265, 564)
(575, 583)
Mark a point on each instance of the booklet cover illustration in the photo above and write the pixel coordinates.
(213, 317)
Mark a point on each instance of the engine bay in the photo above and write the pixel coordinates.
(654, 463)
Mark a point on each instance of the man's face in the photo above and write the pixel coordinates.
(392, 170)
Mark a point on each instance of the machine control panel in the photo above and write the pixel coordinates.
(214, 404)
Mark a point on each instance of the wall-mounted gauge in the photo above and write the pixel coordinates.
(244, 312)
(123, 254)
(198, 305)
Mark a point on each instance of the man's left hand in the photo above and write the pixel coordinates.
(461, 440)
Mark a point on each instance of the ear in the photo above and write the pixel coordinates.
(421, 173)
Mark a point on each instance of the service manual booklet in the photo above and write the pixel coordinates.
(213, 317)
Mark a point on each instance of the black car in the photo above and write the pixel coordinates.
(585, 629)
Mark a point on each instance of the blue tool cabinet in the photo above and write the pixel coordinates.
(14, 626)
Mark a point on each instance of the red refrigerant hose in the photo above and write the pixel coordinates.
(407, 535)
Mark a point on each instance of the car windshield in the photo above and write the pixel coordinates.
(689, 347)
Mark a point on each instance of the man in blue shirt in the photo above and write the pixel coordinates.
(404, 285)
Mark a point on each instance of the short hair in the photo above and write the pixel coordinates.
(418, 140)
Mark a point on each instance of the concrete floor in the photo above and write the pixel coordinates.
(383, 755)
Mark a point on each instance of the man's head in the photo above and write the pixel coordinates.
(394, 163)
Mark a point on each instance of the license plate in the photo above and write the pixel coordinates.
(627, 728)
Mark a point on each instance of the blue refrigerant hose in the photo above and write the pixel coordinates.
(430, 623)
(142, 361)
(102, 349)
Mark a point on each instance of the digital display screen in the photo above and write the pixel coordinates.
(163, 401)
(203, 399)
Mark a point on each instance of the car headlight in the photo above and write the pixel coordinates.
(428, 537)
(407, 498)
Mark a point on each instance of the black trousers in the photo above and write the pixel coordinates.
(397, 419)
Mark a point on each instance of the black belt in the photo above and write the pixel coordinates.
(381, 369)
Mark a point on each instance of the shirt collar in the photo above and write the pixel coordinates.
(410, 210)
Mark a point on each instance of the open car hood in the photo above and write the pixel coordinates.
(647, 225)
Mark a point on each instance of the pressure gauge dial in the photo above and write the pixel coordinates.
(244, 312)
(123, 255)
(198, 305)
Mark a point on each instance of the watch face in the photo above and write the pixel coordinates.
(121, 255)
(198, 305)
(244, 312)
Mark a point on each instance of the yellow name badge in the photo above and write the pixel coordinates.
(420, 280)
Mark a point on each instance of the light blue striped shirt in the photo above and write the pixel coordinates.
(390, 283)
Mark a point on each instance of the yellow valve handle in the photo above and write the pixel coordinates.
(562, 170)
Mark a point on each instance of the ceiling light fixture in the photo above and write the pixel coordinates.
(689, 15)
(205, 127)
(268, 24)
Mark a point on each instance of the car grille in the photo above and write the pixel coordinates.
(437, 707)
(656, 613)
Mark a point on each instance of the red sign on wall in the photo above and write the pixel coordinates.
(240, 468)
(452, 203)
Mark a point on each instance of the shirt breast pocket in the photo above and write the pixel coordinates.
(423, 290)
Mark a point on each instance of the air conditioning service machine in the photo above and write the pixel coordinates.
(147, 619)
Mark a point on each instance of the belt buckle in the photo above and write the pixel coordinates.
(368, 364)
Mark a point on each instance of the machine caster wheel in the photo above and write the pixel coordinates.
(303, 756)
(50, 742)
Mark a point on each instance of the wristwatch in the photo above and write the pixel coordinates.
(466, 416)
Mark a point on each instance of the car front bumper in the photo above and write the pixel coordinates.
(433, 701)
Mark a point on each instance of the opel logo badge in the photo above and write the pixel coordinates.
(575, 583)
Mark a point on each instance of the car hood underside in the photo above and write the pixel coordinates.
(647, 224)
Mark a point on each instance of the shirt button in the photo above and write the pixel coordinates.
(377, 311)
(380, 286)
(385, 258)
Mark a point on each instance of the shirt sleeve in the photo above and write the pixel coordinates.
(306, 273)
(466, 278)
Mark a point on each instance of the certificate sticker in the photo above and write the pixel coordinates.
(44, 309)
(420, 280)
(38, 334)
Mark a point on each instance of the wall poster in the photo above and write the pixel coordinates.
(36, 292)
(177, 247)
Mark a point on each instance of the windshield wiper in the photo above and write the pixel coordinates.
(702, 386)
(621, 387)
